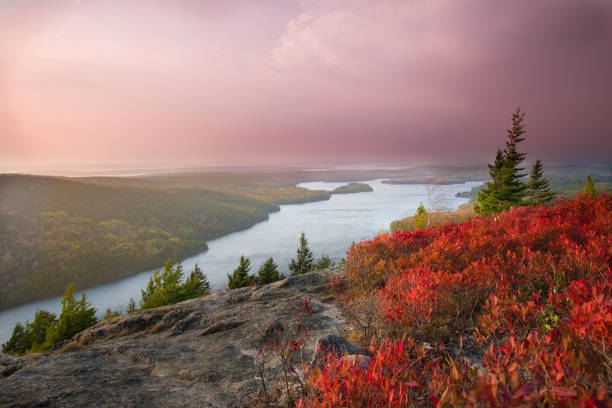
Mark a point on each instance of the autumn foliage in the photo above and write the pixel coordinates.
(506, 310)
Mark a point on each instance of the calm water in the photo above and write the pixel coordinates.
(330, 226)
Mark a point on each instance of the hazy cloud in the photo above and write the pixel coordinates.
(303, 80)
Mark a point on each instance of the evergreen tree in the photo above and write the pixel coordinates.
(268, 272)
(131, 306)
(196, 284)
(323, 262)
(37, 330)
(304, 260)
(421, 217)
(506, 188)
(489, 198)
(76, 315)
(589, 187)
(538, 192)
(164, 287)
(18, 343)
(240, 277)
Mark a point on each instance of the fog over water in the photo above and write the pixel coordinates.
(330, 226)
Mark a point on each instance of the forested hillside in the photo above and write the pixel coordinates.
(54, 232)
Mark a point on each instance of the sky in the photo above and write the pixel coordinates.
(198, 82)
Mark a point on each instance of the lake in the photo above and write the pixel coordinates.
(330, 226)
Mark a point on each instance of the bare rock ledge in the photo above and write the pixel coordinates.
(197, 353)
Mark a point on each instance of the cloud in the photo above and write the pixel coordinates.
(416, 80)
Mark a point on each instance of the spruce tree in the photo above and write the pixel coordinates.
(240, 277)
(304, 260)
(538, 191)
(489, 198)
(268, 272)
(506, 188)
(196, 284)
(589, 187)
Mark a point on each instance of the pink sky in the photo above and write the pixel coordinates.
(212, 82)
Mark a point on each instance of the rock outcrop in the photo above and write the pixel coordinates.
(197, 353)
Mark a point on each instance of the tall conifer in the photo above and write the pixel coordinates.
(240, 277)
(538, 191)
(304, 262)
(506, 188)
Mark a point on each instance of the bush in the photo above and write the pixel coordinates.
(529, 291)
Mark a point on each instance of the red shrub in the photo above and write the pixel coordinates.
(530, 288)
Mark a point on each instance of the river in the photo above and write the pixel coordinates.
(330, 226)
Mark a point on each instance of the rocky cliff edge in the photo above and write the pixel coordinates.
(197, 353)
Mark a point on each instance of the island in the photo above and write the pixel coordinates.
(353, 188)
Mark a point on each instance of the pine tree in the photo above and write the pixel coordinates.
(76, 315)
(164, 287)
(421, 217)
(304, 260)
(506, 188)
(240, 277)
(589, 187)
(538, 192)
(196, 284)
(268, 273)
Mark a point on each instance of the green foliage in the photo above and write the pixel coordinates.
(323, 262)
(421, 217)
(240, 277)
(589, 187)
(32, 337)
(56, 231)
(46, 329)
(164, 287)
(109, 314)
(539, 191)
(304, 262)
(196, 284)
(506, 188)
(131, 306)
(76, 315)
(18, 343)
(268, 272)
(353, 188)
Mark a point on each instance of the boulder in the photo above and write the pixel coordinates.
(334, 343)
